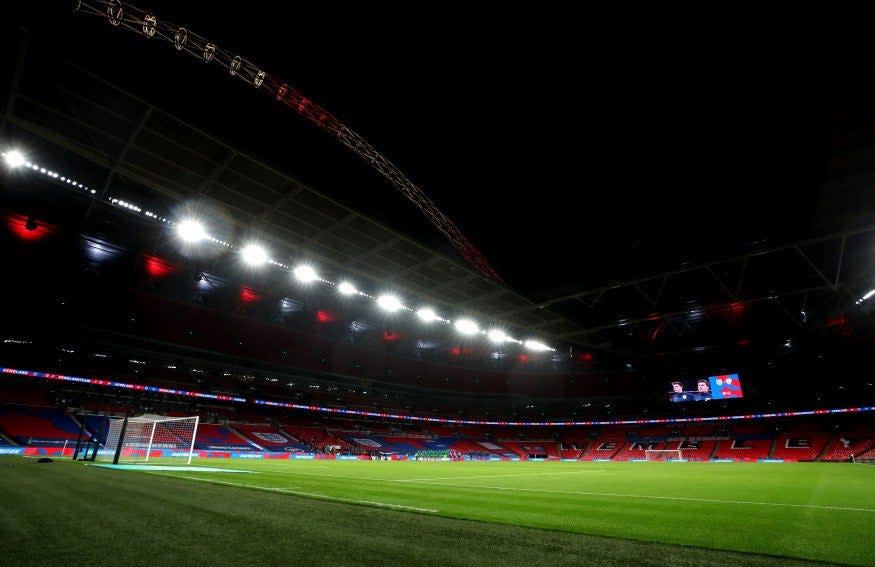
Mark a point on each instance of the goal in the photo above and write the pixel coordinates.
(147, 433)
(663, 455)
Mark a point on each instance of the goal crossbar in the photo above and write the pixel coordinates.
(663, 454)
(144, 433)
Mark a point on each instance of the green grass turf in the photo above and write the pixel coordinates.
(336, 513)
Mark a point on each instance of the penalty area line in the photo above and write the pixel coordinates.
(309, 494)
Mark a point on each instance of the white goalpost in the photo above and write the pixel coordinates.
(147, 433)
(663, 455)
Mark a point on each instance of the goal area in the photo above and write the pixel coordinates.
(142, 437)
(663, 455)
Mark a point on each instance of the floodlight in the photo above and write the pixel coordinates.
(305, 274)
(347, 288)
(466, 326)
(254, 255)
(497, 336)
(14, 158)
(427, 315)
(191, 231)
(389, 303)
(536, 345)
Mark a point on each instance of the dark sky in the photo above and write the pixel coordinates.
(571, 151)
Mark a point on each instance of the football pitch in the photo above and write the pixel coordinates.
(301, 512)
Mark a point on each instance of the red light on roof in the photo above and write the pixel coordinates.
(659, 328)
(324, 316)
(586, 356)
(28, 228)
(841, 321)
(455, 351)
(156, 267)
(736, 307)
(524, 357)
(391, 336)
(248, 295)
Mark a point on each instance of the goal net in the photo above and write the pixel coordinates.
(664, 455)
(145, 435)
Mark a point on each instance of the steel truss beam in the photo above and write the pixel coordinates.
(833, 283)
(149, 26)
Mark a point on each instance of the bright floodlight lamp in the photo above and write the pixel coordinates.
(865, 297)
(497, 336)
(467, 326)
(536, 346)
(254, 255)
(347, 288)
(305, 274)
(191, 231)
(14, 158)
(426, 315)
(389, 302)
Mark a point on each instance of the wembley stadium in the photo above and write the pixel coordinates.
(395, 287)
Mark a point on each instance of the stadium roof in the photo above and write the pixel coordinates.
(138, 147)
(711, 239)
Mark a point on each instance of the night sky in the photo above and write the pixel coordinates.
(571, 152)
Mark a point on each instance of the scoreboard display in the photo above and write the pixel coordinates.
(721, 387)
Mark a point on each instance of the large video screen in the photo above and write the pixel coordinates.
(722, 387)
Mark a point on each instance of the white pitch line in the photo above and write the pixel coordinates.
(309, 494)
(377, 479)
(403, 507)
(750, 502)
(498, 475)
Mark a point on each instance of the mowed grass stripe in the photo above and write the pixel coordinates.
(463, 477)
(691, 504)
(67, 514)
(291, 490)
(650, 496)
